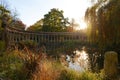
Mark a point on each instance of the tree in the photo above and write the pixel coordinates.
(37, 26)
(7, 19)
(54, 21)
(4, 16)
(72, 25)
(104, 22)
(4, 20)
(17, 23)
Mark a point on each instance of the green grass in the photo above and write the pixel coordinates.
(69, 74)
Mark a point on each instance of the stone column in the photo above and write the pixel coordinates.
(35, 38)
(28, 36)
(111, 64)
(38, 40)
(42, 37)
(45, 37)
(18, 37)
(53, 38)
(14, 37)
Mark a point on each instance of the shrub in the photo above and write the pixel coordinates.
(47, 70)
(11, 66)
(30, 61)
(29, 44)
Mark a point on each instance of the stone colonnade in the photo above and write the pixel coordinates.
(15, 36)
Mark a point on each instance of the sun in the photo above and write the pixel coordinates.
(82, 26)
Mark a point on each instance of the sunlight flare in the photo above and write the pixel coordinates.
(82, 26)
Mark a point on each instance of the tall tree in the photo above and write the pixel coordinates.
(17, 23)
(104, 22)
(4, 16)
(54, 21)
(7, 19)
(4, 20)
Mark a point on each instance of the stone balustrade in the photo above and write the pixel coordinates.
(15, 36)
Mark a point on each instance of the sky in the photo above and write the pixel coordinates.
(30, 11)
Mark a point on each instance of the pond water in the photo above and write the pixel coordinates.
(79, 61)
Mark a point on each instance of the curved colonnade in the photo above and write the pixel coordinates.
(50, 39)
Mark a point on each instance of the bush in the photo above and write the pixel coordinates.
(11, 66)
(29, 44)
(30, 61)
(47, 70)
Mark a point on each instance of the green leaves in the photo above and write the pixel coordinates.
(54, 21)
(4, 16)
(37, 26)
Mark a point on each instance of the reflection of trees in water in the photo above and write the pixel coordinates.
(96, 58)
(79, 61)
(93, 61)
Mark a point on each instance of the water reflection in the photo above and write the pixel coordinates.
(79, 61)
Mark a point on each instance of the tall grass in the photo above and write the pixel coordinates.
(69, 74)
(53, 70)
(47, 70)
(26, 65)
